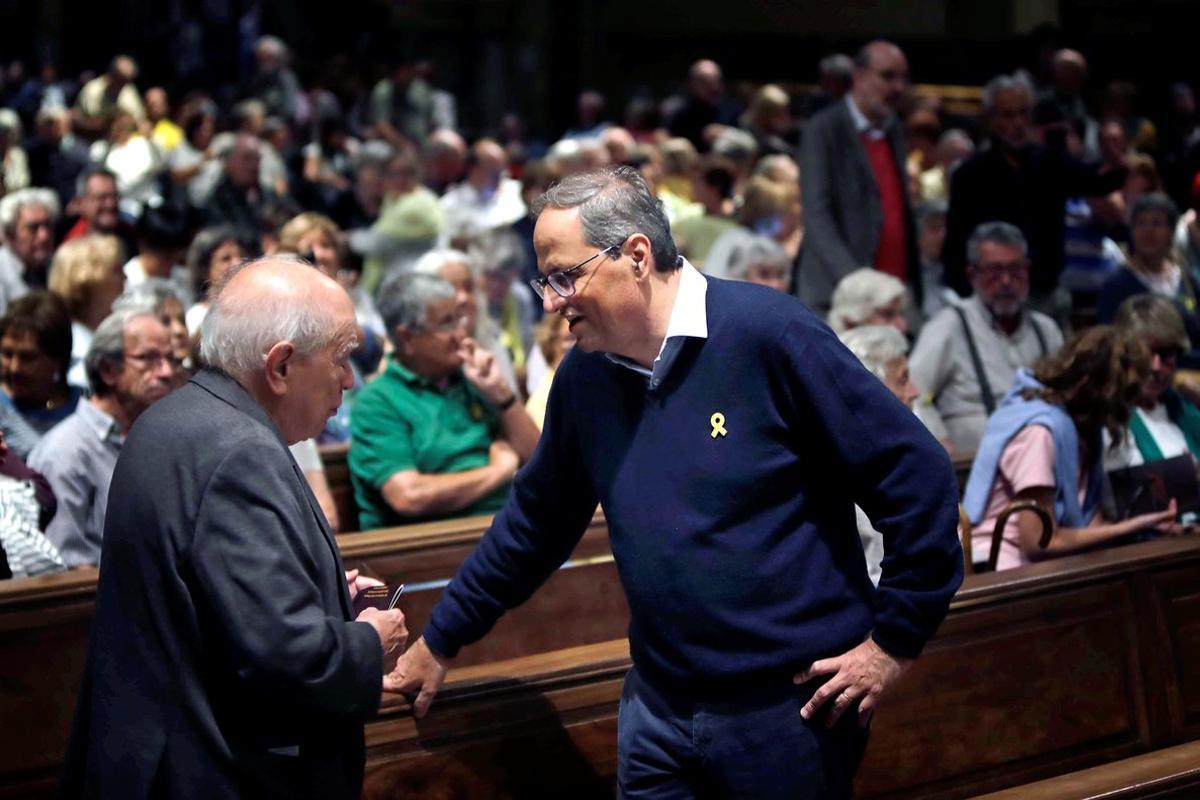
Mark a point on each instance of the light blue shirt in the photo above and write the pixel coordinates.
(78, 457)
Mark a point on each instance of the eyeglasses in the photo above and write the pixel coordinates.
(993, 271)
(152, 360)
(563, 280)
(448, 325)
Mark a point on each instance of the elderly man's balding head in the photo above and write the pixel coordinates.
(284, 331)
(705, 81)
(880, 80)
(487, 164)
(1070, 71)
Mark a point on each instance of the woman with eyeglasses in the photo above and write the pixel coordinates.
(1164, 422)
(1045, 444)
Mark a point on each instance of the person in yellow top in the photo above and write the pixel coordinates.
(553, 339)
(162, 129)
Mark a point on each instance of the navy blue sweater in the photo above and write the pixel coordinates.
(739, 554)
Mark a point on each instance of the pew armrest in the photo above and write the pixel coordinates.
(1015, 507)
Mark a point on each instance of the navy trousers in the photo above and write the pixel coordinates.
(672, 748)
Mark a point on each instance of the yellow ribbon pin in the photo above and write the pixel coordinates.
(717, 420)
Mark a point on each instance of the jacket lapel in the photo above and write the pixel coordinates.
(223, 385)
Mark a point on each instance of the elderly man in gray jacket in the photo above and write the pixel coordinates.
(857, 211)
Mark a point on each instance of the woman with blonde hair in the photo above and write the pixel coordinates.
(769, 208)
(769, 119)
(87, 274)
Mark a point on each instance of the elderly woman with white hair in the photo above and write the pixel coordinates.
(883, 350)
(760, 260)
(869, 297)
(459, 270)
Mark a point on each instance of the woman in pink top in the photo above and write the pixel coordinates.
(1043, 444)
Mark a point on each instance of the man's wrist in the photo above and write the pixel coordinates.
(507, 403)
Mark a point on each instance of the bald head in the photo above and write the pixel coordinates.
(880, 80)
(271, 300)
(487, 164)
(1070, 72)
(705, 81)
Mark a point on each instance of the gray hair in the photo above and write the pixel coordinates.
(404, 301)
(1155, 201)
(12, 203)
(108, 345)
(148, 296)
(236, 335)
(498, 250)
(615, 203)
(859, 295)
(876, 346)
(736, 145)
(929, 210)
(996, 232)
(1004, 83)
(838, 65)
(758, 251)
(432, 262)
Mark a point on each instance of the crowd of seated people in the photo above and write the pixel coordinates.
(981, 242)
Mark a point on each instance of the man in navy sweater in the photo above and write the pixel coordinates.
(728, 435)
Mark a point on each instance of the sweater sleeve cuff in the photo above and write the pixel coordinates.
(898, 644)
(438, 642)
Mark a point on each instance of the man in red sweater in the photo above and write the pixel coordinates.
(856, 206)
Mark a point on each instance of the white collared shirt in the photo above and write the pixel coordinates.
(689, 319)
(861, 123)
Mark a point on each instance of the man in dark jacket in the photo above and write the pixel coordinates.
(224, 661)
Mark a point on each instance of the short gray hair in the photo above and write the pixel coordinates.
(615, 203)
(236, 336)
(735, 144)
(403, 301)
(756, 251)
(108, 345)
(432, 262)
(838, 65)
(859, 295)
(1155, 201)
(1004, 83)
(12, 203)
(876, 346)
(149, 296)
(996, 232)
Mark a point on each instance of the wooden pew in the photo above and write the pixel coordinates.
(1173, 772)
(45, 621)
(337, 475)
(1036, 672)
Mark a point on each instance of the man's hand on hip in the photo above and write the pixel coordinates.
(860, 676)
(393, 633)
(421, 669)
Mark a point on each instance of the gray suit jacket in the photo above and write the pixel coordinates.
(842, 210)
(222, 661)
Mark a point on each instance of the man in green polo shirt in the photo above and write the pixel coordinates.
(440, 433)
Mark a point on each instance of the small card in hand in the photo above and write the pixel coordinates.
(379, 597)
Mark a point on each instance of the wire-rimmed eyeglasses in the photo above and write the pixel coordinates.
(563, 280)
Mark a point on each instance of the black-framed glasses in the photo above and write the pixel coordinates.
(563, 280)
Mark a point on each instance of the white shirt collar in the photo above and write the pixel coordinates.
(689, 319)
(861, 123)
